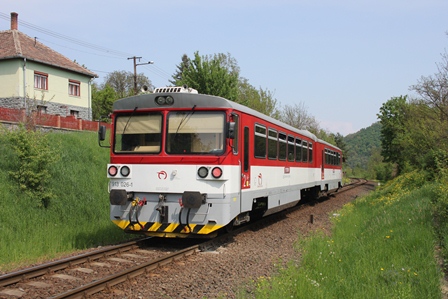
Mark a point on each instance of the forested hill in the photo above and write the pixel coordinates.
(362, 144)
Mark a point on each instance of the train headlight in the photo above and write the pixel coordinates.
(112, 171)
(202, 172)
(216, 172)
(125, 171)
(160, 100)
(169, 100)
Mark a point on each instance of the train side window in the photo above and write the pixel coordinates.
(290, 148)
(260, 142)
(282, 146)
(272, 144)
(298, 150)
(310, 147)
(304, 151)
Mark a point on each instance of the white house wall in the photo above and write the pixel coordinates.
(11, 79)
(56, 98)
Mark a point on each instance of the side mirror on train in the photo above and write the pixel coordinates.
(102, 135)
(231, 130)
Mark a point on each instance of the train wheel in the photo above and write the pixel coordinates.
(229, 227)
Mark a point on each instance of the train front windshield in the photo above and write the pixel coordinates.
(187, 132)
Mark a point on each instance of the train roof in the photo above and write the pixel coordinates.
(191, 99)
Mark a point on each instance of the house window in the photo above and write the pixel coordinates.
(74, 113)
(41, 80)
(74, 88)
(41, 109)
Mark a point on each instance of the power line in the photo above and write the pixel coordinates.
(67, 38)
(111, 53)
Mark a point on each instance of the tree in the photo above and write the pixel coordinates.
(297, 116)
(123, 82)
(392, 118)
(261, 100)
(218, 75)
(432, 110)
(339, 141)
(434, 89)
(214, 75)
(102, 100)
(185, 64)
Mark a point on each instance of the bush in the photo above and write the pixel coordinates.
(31, 162)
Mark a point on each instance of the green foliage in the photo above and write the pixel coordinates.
(261, 100)
(411, 133)
(32, 162)
(78, 217)
(218, 75)
(382, 246)
(433, 91)
(123, 82)
(214, 75)
(440, 210)
(392, 116)
(414, 133)
(102, 101)
(363, 158)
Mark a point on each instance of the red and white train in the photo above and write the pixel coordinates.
(184, 164)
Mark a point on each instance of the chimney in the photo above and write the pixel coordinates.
(14, 21)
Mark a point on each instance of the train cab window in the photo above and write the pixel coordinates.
(187, 133)
(304, 151)
(236, 139)
(282, 146)
(260, 142)
(272, 144)
(310, 151)
(298, 150)
(138, 133)
(290, 148)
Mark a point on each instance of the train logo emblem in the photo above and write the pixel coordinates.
(162, 175)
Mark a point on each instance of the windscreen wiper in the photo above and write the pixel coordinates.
(184, 119)
(127, 122)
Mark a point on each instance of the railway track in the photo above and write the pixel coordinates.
(75, 277)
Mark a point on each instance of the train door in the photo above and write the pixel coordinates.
(245, 169)
(323, 165)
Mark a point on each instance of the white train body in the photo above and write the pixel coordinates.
(186, 165)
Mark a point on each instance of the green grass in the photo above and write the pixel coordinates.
(77, 218)
(382, 246)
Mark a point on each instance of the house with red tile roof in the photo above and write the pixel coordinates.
(36, 78)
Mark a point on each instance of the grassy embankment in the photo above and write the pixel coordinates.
(382, 246)
(76, 218)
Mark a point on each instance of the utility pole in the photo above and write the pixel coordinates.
(135, 70)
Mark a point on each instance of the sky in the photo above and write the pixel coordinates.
(340, 59)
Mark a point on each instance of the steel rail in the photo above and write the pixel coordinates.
(96, 286)
(17, 276)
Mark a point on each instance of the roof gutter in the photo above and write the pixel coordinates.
(24, 84)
